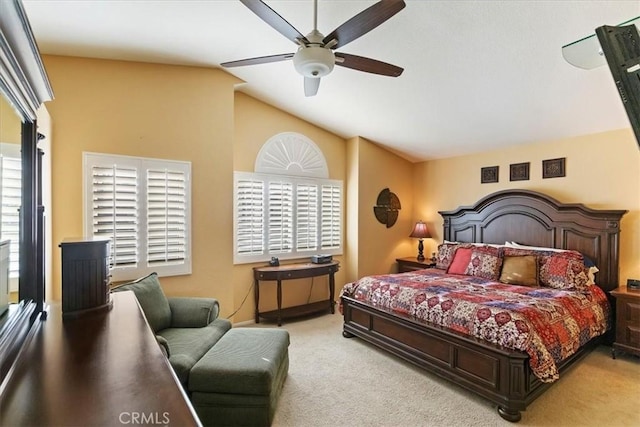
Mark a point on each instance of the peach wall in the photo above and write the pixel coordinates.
(379, 246)
(602, 172)
(10, 123)
(255, 123)
(149, 110)
(352, 208)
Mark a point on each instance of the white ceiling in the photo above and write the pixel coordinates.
(478, 75)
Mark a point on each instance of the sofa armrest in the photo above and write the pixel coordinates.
(192, 312)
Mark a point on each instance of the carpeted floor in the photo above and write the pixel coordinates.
(335, 381)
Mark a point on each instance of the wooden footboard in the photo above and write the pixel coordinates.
(498, 374)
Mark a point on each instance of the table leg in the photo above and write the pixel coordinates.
(279, 303)
(332, 287)
(256, 297)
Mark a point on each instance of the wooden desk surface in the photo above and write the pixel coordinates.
(298, 266)
(103, 369)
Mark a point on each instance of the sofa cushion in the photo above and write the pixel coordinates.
(152, 300)
(188, 345)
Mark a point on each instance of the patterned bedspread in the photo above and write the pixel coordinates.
(548, 324)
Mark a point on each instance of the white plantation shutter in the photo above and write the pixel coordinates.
(285, 216)
(114, 203)
(249, 223)
(11, 179)
(143, 206)
(166, 216)
(280, 217)
(306, 217)
(331, 231)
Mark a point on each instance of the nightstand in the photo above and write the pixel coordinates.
(627, 321)
(412, 264)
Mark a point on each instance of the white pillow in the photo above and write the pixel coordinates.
(532, 248)
(493, 245)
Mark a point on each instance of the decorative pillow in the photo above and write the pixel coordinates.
(564, 270)
(445, 254)
(588, 263)
(558, 269)
(520, 270)
(486, 262)
(460, 261)
(479, 261)
(152, 300)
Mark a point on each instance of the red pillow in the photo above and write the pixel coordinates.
(460, 261)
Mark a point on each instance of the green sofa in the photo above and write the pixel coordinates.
(186, 328)
(232, 376)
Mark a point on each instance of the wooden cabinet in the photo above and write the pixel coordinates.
(627, 321)
(85, 276)
(412, 264)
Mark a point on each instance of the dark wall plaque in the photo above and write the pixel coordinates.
(519, 171)
(553, 168)
(489, 174)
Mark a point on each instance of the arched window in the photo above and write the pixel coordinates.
(287, 208)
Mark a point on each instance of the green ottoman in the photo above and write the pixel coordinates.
(238, 381)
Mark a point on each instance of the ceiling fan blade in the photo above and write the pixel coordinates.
(364, 22)
(258, 60)
(276, 21)
(311, 85)
(368, 65)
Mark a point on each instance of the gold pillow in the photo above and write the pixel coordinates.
(520, 270)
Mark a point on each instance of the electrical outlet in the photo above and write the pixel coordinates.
(633, 283)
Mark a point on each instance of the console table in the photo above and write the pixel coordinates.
(294, 271)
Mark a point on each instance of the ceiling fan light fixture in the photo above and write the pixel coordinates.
(314, 61)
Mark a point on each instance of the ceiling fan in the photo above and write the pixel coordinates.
(315, 56)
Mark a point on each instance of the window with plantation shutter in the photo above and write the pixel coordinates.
(287, 208)
(249, 224)
(166, 216)
(285, 216)
(114, 204)
(10, 199)
(331, 227)
(143, 206)
(280, 217)
(307, 217)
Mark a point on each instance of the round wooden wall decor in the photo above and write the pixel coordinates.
(387, 207)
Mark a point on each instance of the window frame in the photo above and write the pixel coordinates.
(294, 253)
(142, 165)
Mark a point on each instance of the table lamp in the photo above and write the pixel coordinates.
(420, 231)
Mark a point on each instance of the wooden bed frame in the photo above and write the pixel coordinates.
(499, 374)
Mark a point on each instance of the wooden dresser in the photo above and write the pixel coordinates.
(627, 321)
(105, 368)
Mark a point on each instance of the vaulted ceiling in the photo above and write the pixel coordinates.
(478, 75)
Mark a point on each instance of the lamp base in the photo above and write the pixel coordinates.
(420, 249)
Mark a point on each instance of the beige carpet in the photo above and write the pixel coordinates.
(335, 381)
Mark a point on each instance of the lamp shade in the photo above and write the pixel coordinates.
(420, 231)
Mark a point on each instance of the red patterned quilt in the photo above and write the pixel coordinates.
(548, 324)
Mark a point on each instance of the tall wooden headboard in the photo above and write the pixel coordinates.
(531, 218)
